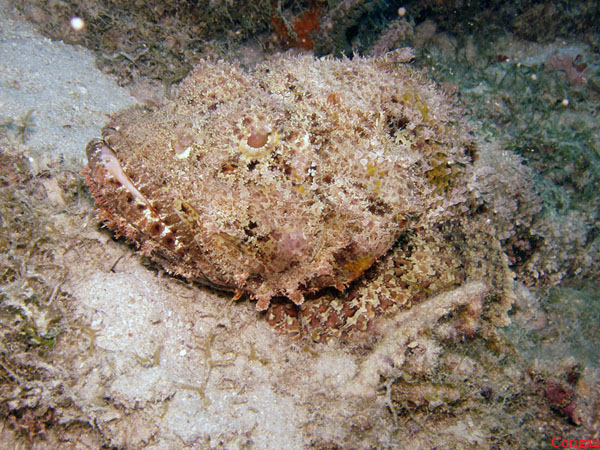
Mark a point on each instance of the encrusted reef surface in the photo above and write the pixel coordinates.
(294, 177)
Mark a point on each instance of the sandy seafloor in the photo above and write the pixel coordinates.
(160, 364)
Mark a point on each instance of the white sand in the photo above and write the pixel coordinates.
(69, 96)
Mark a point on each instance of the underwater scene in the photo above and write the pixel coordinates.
(299, 224)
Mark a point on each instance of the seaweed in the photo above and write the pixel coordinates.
(21, 127)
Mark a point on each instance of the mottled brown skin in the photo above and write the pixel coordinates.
(282, 181)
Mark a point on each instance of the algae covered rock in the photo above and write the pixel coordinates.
(282, 180)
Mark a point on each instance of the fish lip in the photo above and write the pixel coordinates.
(93, 151)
